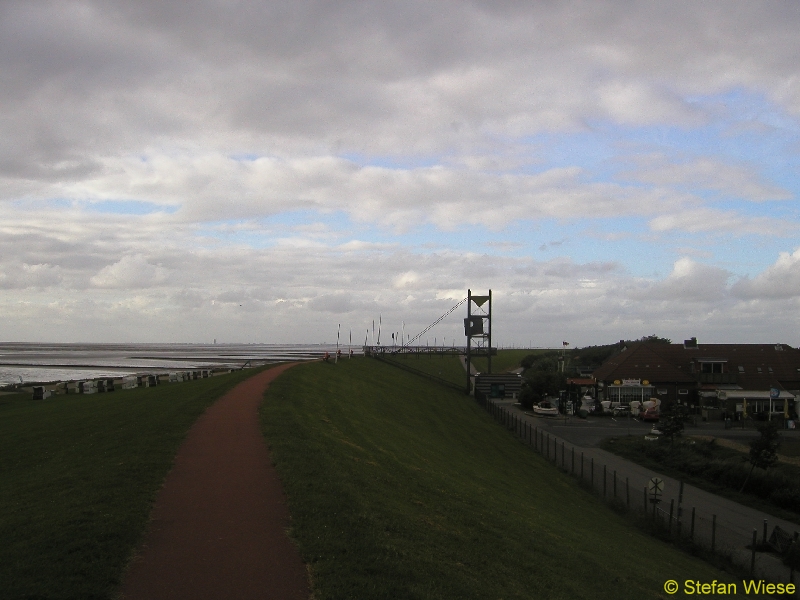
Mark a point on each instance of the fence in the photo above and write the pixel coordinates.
(681, 523)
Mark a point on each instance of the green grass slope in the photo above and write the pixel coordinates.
(444, 366)
(400, 488)
(78, 475)
(504, 360)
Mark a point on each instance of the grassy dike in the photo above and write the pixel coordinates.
(78, 475)
(443, 366)
(400, 488)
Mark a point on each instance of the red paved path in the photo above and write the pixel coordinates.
(218, 525)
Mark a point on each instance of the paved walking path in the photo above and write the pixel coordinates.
(218, 528)
(734, 522)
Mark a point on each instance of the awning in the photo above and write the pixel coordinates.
(751, 395)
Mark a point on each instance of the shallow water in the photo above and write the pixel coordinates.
(31, 362)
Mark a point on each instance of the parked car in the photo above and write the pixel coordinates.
(650, 414)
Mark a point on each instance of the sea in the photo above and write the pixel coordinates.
(26, 363)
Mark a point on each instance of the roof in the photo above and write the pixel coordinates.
(757, 366)
(642, 361)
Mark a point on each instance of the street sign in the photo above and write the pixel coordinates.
(656, 488)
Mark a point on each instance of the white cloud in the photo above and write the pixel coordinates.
(130, 272)
(700, 220)
(689, 281)
(737, 181)
(781, 280)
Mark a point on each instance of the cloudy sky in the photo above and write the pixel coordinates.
(264, 171)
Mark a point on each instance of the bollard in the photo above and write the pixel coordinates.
(581, 466)
(592, 479)
(548, 446)
(645, 500)
(615, 484)
(573, 460)
(604, 481)
(753, 553)
(713, 533)
(691, 532)
(765, 532)
(562, 455)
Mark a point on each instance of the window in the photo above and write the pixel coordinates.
(769, 369)
(741, 369)
(625, 394)
(708, 367)
(758, 369)
(683, 392)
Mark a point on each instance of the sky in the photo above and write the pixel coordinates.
(267, 172)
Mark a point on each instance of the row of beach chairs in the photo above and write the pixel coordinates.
(128, 382)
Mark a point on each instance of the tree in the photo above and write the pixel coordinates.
(526, 395)
(672, 422)
(654, 339)
(764, 449)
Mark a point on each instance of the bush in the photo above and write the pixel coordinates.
(526, 396)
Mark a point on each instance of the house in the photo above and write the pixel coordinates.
(500, 385)
(720, 379)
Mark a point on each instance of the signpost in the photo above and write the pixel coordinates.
(655, 487)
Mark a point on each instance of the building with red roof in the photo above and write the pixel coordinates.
(732, 378)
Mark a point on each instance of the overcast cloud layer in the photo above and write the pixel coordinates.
(261, 172)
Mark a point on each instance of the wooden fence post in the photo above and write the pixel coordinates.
(627, 493)
(671, 509)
